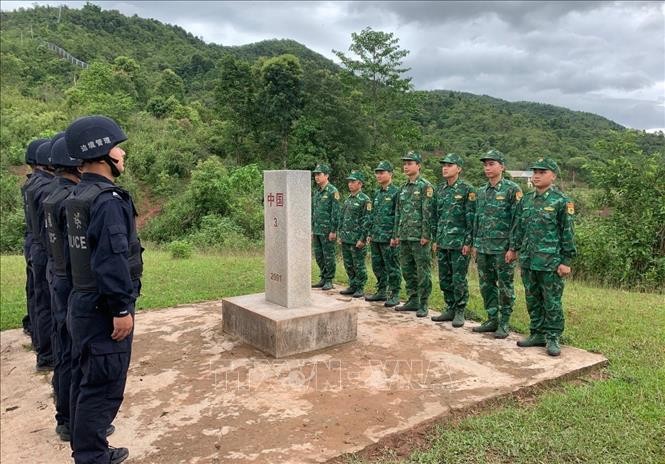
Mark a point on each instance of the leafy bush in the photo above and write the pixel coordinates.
(12, 220)
(627, 246)
(220, 233)
(180, 249)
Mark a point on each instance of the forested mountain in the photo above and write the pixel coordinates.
(204, 119)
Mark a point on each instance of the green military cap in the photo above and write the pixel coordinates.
(546, 163)
(384, 166)
(413, 156)
(356, 175)
(452, 158)
(324, 168)
(495, 155)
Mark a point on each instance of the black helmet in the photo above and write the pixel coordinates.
(43, 155)
(31, 151)
(60, 156)
(93, 137)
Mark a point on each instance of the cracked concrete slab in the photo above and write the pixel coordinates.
(197, 395)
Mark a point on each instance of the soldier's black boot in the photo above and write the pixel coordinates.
(348, 291)
(503, 329)
(532, 340)
(327, 285)
(410, 305)
(490, 325)
(458, 320)
(359, 293)
(392, 301)
(447, 315)
(380, 295)
(319, 284)
(423, 311)
(553, 347)
(118, 455)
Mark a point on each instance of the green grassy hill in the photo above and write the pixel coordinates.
(266, 105)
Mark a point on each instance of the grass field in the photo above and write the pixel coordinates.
(618, 418)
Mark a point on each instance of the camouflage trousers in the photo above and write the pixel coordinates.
(324, 253)
(416, 261)
(453, 267)
(354, 264)
(496, 284)
(543, 291)
(385, 264)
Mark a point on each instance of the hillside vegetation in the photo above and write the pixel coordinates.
(204, 120)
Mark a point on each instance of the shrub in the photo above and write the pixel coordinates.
(180, 249)
(219, 233)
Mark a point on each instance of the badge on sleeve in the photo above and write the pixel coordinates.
(429, 192)
(571, 207)
(472, 196)
(337, 196)
(369, 206)
(518, 195)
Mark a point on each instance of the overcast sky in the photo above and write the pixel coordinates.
(603, 57)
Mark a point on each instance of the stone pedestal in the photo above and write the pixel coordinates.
(289, 318)
(281, 332)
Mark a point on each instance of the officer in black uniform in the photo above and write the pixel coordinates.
(31, 161)
(39, 189)
(105, 256)
(67, 176)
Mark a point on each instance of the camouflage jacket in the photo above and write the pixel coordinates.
(325, 210)
(496, 208)
(382, 227)
(453, 213)
(544, 235)
(414, 210)
(355, 221)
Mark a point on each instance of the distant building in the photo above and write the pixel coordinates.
(522, 175)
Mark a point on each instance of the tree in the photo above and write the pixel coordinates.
(379, 63)
(281, 97)
(235, 97)
(104, 90)
(170, 84)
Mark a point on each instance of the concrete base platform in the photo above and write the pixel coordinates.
(197, 395)
(282, 332)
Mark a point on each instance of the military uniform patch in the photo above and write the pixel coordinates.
(429, 192)
(336, 195)
(458, 197)
(369, 206)
(472, 196)
(571, 207)
(548, 208)
(500, 197)
(518, 195)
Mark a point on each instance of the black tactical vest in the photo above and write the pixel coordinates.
(26, 209)
(30, 206)
(54, 229)
(78, 217)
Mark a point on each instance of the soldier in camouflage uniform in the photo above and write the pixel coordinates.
(325, 221)
(545, 242)
(353, 230)
(493, 242)
(385, 260)
(412, 234)
(453, 213)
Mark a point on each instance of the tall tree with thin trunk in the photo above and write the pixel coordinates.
(378, 60)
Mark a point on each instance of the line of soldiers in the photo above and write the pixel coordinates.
(495, 224)
(83, 270)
